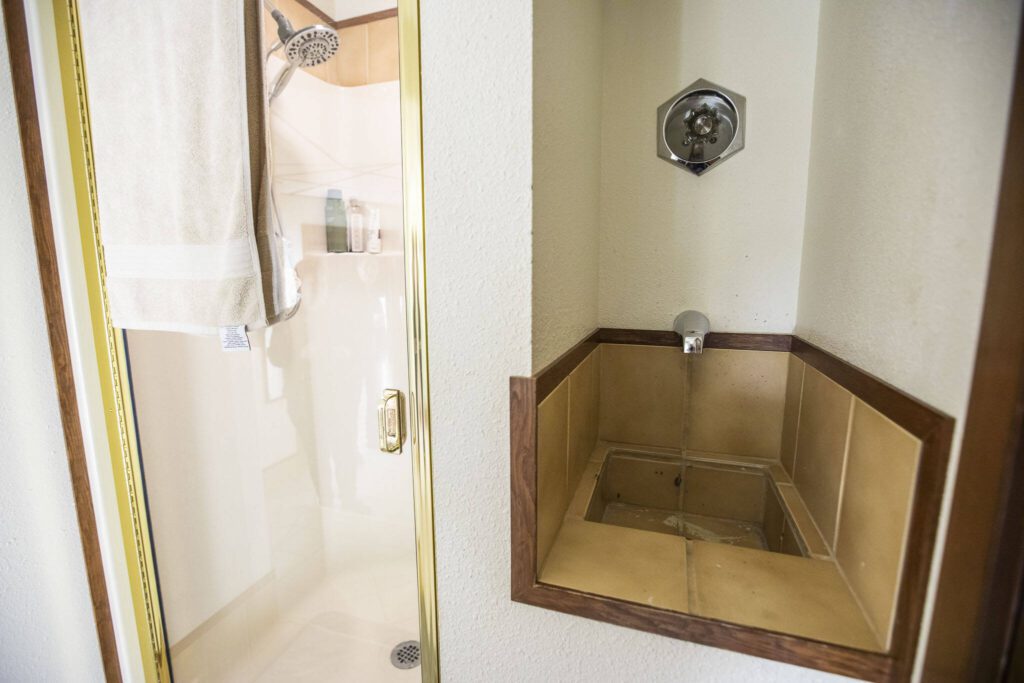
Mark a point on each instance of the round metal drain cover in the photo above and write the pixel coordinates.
(406, 655)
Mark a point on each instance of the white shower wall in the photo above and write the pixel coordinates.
(262, 467)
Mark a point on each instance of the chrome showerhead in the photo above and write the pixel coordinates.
(311, 46)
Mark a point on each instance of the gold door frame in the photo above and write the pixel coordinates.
(112, 361)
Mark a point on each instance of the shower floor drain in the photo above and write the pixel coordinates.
(406, 655)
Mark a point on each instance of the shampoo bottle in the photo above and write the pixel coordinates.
(373, 243)
(356, 231)
(336, 223)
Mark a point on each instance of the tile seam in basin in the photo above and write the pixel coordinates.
(842, 476)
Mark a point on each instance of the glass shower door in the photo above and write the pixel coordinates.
(282, 532)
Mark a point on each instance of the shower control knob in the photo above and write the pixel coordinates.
(703, 124)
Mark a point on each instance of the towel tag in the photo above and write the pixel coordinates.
(234, 338)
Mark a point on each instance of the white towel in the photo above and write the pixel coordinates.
(178, 111)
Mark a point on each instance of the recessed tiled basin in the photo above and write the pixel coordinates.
(708, 500)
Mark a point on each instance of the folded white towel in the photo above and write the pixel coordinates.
(178, 111)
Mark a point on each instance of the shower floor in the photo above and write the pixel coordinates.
(321, 638)
(688, 525)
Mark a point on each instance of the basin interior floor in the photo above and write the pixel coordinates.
(688, 525)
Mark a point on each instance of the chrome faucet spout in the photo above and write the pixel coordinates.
(692, 326)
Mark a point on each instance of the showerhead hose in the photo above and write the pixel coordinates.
(310, 46)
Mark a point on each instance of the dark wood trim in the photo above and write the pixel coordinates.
(747, 640)
(365, 19)
(978, 603)
(609, 335)
(932, 427)
(523, 436)
(313, 9)
(53, 305)
(741, 341)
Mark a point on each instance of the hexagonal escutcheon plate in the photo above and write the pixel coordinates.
(701, 126)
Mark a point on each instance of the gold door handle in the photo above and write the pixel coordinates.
(391, 422)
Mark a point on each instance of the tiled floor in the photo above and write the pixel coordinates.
(702, 565)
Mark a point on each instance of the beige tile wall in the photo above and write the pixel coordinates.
(729, 493)
(791, 414)
(552, 484)
(821, 448)
(875, 515)
(566, 437)
(736, 402)
(642, 394)
(368, 53)
(856, 471)
(584, 390)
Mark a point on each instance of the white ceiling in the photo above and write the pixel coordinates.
(346, 9)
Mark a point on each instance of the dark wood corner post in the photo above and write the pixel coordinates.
(523, 435)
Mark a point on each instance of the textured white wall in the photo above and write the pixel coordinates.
(901, 199)
(477, 80)
(727, 243)
(567, 50)
(47, 631)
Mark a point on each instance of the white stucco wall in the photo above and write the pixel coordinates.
(567, 99)
(477, 80)
(901, 199)
(47, 631)
(727, 243)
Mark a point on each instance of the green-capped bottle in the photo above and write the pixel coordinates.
(336, 222)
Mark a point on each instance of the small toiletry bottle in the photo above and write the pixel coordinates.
(356, 232)
(336, 223)
(373, 244)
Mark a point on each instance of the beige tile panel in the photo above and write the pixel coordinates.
(791, 414)
(629, 564)
(383, 50)
(552, 450)
(642, 394)
(731, 493)
(875, 513)
(350, 63)
(729, 459)
(800, 517)
(737, 402)
(821, 448)
(790, 543)
(584, 388)
(779, 474)
(774, 521)
(795, 595)
(642, 480)
(584, 493)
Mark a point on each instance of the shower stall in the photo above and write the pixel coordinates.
(255, 526)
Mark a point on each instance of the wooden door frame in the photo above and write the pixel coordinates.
(979, 591)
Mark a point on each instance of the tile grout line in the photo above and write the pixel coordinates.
(839, 511)
(799, 415)
(842, 477)
(692, 598)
